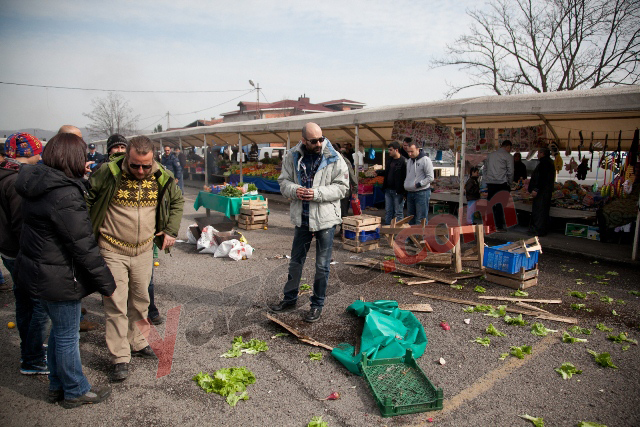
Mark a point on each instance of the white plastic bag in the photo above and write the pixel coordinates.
(240, 251)
(206, 243)
(191, 239)
(225, 247)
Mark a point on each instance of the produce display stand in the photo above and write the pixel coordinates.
(229, 206)
(263, 184)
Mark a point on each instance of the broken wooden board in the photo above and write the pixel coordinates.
(536, 314)
(404, 270)
(420, 282)
(541, 301)
(531, 307)
(302, 337)
(511, 283)
(422, 308)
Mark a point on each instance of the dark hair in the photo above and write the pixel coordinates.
(546, 151)
(411, 142)
(336, 145)
(474, 169)
(395, 145)
(505, 143)
(66, 152)
(141, 144)
(407, 140)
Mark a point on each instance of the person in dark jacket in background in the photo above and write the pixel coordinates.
(519, 168)
(472, 192)
(172, 164)
(393, 184)
(31, 318)
(59, 261)
(541, 188)
(345, 202)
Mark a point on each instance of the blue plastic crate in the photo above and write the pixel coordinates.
(508, 262)
(364, 236)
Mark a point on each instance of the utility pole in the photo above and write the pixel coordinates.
(168, 125)
(257, 87)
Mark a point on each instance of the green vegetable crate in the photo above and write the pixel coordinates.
(400, 387)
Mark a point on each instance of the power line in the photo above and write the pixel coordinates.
(214, 106)
(121, 90)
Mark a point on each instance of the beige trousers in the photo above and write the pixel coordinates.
(128, 304)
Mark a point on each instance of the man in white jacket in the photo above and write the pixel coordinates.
(315, 177)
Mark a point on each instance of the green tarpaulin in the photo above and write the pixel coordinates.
(388, 332)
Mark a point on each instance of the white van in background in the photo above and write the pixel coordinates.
(273, 152)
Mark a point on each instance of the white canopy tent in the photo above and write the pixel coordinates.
(601, 111)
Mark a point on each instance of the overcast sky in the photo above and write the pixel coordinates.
(372, 51)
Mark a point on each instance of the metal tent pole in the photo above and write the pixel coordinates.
(206, 167)
(240, 153)
(357, 153)
(461, 171)
(288, 141)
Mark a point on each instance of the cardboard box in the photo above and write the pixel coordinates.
(582, 230)
(593, 233)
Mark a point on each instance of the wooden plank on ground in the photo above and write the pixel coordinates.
(422, 308)
(420, 282)
(541, 301)
(302, 337)
(530, 307)
(557, 318)
(410, 271)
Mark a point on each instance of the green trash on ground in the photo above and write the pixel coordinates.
(388, 332)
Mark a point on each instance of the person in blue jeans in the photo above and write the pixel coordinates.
(418, 182)
(393, 184)
(59, 262)
(315, 177)
(31, 319)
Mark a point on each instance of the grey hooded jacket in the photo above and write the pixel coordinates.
(498, 168)
(330, 184)
(419, 173)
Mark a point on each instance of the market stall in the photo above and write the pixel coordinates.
(229, 206)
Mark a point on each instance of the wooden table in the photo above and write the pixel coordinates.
(229, 206)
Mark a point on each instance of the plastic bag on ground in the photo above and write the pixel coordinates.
(206, 243)
(191, 239)
(241, 251)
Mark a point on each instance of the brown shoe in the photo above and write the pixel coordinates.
(86, 326)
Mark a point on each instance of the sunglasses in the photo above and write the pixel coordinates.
(133, 166)
(316, 140)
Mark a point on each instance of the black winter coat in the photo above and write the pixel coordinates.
(543, 177)
(10, 210)
(59, 259)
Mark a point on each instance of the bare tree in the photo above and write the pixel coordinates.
(110, 115)
(519, 46)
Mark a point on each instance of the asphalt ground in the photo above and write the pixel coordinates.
(212, 300)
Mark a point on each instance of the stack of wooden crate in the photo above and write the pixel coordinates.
(514, 265)
(357, 232)
(254, 214)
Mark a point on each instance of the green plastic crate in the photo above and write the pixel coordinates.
(400, 387)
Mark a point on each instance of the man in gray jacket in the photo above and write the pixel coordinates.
(418, 182)
(498, 174)
(315, 177)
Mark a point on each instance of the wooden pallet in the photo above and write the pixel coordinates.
(362, 247)
(252, 219)
(361, 220)
(358, 224)
(521, 280)
(255, 204)
(252, 226)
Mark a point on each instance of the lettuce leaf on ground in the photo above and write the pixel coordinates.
(227, 382)
(566, 337)
(315, 356)
(468, 309)
(537, 421)
(238, 347)
(458, 287)
(503, 356)
(539, 330)
(577, 294)
(567, 370)
(479, 289)
(603, 328)
(636, 293)
(483, 341)
(622, 337)
(519, 293)
(519, 352)
(603, 359)
(578, 330)
(497, 312)
(491, 330)
(590, 424)
(515, 320)
(317, 422)
(606, 299)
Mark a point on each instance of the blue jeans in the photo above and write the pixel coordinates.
(301, 243)
(181, 183)
(32, 321)
(153, 310)
(63, 353)
(393, 205)
(418, 205)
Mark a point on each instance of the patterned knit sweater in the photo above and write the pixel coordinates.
(129, 226)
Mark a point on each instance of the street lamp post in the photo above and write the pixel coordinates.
(257, 87)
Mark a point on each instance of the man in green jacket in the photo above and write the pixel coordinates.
(133, 202)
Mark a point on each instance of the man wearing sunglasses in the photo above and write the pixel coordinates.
(133, 203)
(315, 177)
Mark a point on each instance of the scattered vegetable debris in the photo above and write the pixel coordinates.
(578, 330)
(484, 341)
(480, 289)
(503, 356)
(566, 337)
(305, 287)
(444, 325)
(606, 299)
(227, 382)
(577, 294)
(603, 328)
(590, 424)
(491, 330)
(333, 396)
(519, 352)
(567, 370)
(537, 422)
(317, 422)
(458, 287)
(497, 312)
(612, 273)
(519, 293)
(540, 330)
(315, 356)
(622, 337)
(519, 321)
(603, 359)
(238, 347)
(636, 293)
